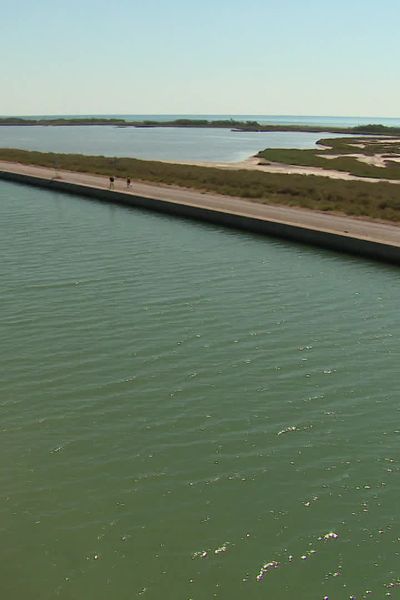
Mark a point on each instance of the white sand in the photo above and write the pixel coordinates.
(256, 164)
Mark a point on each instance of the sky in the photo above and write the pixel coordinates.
(261, 57)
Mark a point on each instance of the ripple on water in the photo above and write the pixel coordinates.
(183, 406)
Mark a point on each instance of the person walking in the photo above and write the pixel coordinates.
(111, 183)
(128, 183)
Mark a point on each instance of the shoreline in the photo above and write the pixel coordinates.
(232, 124)
(253, 163)
(353, 235)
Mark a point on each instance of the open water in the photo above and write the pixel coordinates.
(176, 144)
(320, 120)
(172, 143)
(189, 412)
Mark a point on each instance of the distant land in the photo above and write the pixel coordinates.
(238, 126)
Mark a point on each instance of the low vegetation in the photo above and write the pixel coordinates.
(24, 121)
(374, 200)
(335, 155)
(238, 126)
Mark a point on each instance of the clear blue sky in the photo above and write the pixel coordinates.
(215, 56)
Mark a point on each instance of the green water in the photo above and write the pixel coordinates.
(182, 404)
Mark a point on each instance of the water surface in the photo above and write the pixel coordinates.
(182, 405)
(320, 120)
(170, 143)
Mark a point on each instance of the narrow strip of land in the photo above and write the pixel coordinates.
(366, 199)
(234, 125)
(359, 228)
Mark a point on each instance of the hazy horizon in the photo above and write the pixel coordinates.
(209, 114)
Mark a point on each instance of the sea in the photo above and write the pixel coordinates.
(191, 412)
(317, 120)
(175, 144)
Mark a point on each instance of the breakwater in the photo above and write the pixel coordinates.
(369, 248)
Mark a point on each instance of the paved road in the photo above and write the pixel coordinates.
(353, 227)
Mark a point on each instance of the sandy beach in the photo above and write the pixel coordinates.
(361, 228)
(255, 164)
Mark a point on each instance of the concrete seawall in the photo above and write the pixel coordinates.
(377, 250)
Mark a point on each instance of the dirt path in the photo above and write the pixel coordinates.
(383, 232)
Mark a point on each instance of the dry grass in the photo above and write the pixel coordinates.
(373, 200)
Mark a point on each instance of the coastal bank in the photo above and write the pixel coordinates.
(355, 236)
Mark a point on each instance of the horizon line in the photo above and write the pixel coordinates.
(197, 115)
